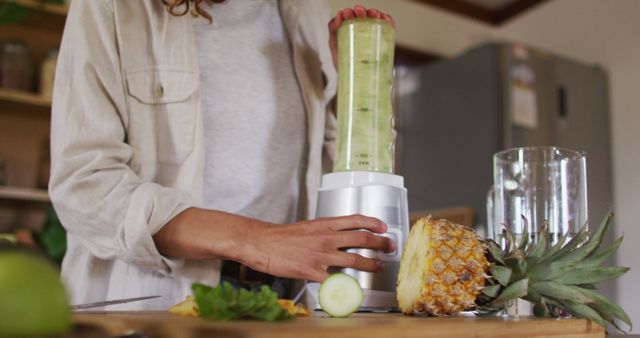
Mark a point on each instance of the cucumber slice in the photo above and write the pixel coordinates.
(340, 295)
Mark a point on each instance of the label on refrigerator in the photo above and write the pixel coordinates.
(524, 106)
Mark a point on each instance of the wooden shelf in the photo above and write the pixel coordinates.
(24, 98)
(42, 6)
(24, 194)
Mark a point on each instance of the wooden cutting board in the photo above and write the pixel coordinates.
(368, 325)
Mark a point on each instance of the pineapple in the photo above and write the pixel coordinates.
(189, 308)
(186, 308)
(445, 269)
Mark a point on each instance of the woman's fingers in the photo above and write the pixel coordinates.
(373, 13)
(356, 222)
(388, 18)
(363, 239)
(335, 23)
(360, 11)
(347, 14)
(317, 276)
(355, 261)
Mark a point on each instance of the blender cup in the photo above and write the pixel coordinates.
(365, 77)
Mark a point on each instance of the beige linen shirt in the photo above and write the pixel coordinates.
(128, 145)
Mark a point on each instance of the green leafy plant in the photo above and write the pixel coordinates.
(224, 302)
(53, 237)
(11, 12)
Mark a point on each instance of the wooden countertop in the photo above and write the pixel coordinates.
(369, 325)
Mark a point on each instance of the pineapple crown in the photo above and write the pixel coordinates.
(554, 277)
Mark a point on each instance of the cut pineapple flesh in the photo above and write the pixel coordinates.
(186, 308)
(442, 269)
(189, 308)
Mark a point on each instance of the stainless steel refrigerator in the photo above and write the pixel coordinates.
(454, 114)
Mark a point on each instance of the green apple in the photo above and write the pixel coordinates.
(33, 301)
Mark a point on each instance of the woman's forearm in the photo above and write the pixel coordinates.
(205, 234)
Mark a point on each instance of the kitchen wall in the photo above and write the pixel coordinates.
(606, 32)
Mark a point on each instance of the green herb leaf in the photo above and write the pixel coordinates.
(224, 302)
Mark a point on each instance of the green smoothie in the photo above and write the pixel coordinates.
(365, 79)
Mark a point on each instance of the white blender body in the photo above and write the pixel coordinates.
(377, 195)
(363, 181)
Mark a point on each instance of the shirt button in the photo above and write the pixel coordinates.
(159, 90)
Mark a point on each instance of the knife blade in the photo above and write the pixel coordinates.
(110, 302)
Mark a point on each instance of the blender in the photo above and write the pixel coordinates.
(362, 181)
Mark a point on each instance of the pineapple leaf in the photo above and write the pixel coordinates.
(532, 261)
(591, 275)
(556, 248)
(513, 291)
(562, 292)
(517, 264)
(491, 291)
(579, 310)
(525, 234)
(611, 321)
(603, 305)
(495, 251)
(588, 286)
(592, 244)
(487, 312)
(578, 239)
(549, 271)
(508, 239)
(598, 258)
(500, 273)
(540, 309)
(539, 249)
(533, 296)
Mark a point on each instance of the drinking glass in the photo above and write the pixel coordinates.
(534, 186)
(538, 185)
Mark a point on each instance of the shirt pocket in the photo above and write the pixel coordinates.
(163, 113)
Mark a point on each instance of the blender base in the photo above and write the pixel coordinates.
(373, 194)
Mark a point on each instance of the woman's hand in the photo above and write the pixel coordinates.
(301, 250)
(350, 13)
(305, 250)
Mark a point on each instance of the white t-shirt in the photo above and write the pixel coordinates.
(254, 118)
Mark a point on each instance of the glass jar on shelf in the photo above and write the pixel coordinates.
(16, 65)
(3, 172)
(47, 73)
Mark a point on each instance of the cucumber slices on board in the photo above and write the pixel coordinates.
(340, 295)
